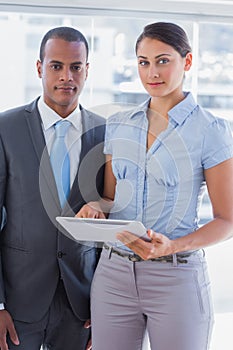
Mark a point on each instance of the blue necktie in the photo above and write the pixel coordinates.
(60, 161)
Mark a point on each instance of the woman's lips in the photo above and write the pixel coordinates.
(156, 84)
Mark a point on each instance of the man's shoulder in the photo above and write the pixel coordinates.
(93, 117)
(17, 111)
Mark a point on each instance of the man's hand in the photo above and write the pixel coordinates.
(87, 324)
(7, 326)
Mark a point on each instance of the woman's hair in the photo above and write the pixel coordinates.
(168, 33)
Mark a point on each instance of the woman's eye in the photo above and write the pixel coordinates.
(143, 63)
(163, 60)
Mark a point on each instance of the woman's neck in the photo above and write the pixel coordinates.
(162, 105)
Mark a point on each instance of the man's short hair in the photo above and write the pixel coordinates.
(66, 33)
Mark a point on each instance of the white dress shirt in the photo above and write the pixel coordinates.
(73, 136)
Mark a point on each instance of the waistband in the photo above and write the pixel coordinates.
(180, 257)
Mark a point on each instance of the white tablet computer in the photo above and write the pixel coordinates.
(100, 230)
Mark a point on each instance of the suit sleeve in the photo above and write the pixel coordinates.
(3, 173)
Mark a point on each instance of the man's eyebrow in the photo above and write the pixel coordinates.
(55, 61)
(78, 62)
(72, 63)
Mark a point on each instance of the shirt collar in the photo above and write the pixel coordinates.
(178, 113)
(141, 108)
(50, 117)
(183, 109)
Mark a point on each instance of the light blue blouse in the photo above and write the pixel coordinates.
(163, 187)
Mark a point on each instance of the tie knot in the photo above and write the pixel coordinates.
(61, 128)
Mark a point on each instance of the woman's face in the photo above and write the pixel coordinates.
(161, 68)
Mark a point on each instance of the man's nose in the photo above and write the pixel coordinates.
(66, 75)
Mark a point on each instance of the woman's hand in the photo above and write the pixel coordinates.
(158, 246)
(91, 210)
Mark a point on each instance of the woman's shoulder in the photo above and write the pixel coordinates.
(194, 112)
(209, 119)
(126, 113)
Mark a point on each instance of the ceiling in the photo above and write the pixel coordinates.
(213, 8)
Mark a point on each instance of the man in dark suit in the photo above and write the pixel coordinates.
(45, 276)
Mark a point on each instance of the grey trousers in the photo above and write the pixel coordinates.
(170, 300)
(60, 329)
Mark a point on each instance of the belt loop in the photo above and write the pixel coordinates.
(174, 260)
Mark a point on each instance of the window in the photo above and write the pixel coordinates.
(113, 80)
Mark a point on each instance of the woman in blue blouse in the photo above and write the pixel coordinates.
(160, 157)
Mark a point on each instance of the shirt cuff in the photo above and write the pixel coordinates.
(2, 307)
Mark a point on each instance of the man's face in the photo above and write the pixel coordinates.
(63, 72)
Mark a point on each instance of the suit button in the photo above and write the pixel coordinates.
(60, 254)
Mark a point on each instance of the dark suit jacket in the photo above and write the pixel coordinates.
(34, 252)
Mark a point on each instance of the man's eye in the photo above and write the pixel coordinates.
(76, 68)
(56, 66)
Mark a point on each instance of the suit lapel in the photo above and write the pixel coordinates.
(34, 124)
(47, 182)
